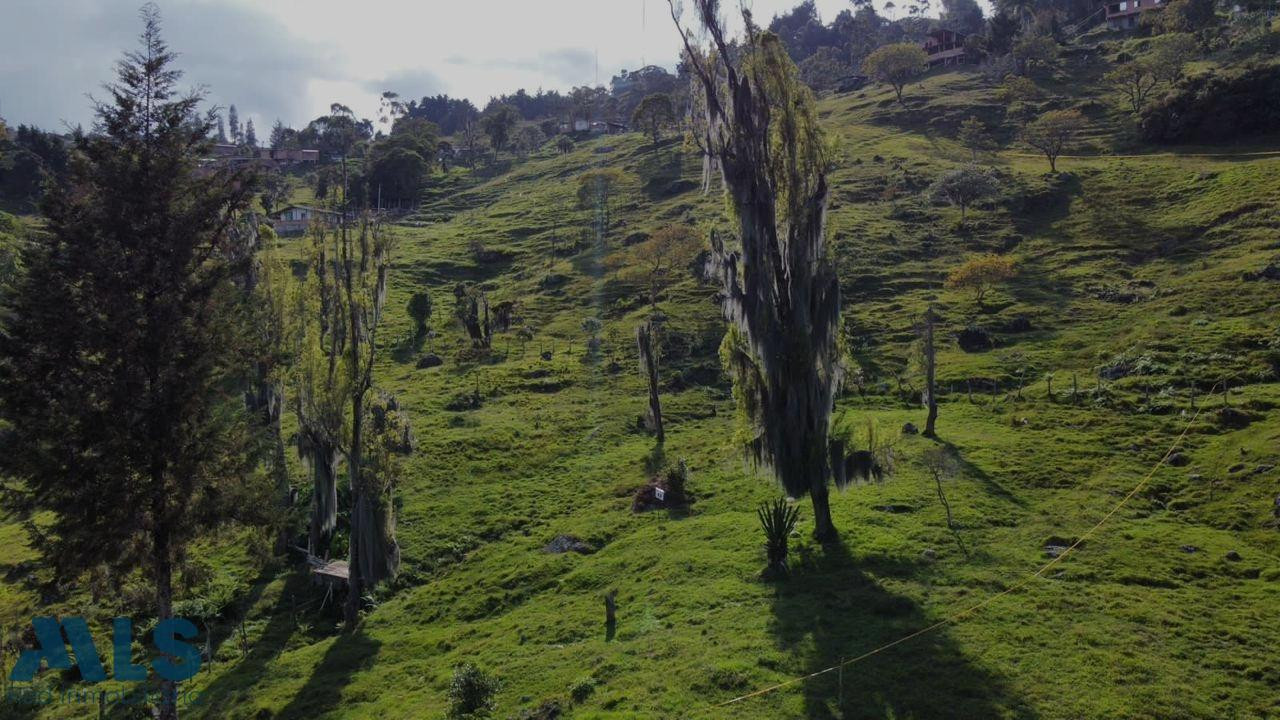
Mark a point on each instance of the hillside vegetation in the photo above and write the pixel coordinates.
(1145, 276)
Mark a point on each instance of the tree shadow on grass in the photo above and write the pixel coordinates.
(298, 599)
(829, 610)
(348, 655)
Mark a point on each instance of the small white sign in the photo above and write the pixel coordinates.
(660, 493)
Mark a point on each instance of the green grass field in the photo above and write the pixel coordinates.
(1125, 262)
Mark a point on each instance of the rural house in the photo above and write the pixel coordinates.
(1125, 14)
(944, 47)
(295, 219)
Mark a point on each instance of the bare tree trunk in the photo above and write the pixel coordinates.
(355, 585)
(323, 458)
(168, 709)
(937, 479)
(649, 366)
(824, 530)
(930, 374)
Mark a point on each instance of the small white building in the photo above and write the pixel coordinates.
(295, 219)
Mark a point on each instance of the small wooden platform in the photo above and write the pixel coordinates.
(328, 570)
(333, 570)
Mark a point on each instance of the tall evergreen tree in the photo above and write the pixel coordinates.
(250, 136)
(233, 124)
(120, 362)
(279, 135)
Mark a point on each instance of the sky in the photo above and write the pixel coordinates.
(290, 59)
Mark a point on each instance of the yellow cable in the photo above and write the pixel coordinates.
(974, 608)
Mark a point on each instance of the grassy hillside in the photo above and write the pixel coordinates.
(1140, 270)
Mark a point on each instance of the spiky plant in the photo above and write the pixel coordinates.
(778, 520)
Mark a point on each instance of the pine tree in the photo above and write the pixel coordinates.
(120, 361)
(233, 123)
(278, 136)
(250, 137)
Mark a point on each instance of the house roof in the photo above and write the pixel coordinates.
(287, 208)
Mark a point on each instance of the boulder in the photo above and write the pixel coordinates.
(910, 429)
(567, 543)
(429, 360)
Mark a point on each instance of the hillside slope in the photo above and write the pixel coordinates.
(1140, 276)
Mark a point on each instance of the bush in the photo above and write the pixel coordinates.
(582, 689)
(1215, 106)
(471, 692)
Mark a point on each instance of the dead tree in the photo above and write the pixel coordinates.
(781, 295)
(928, 355)
(647, 345)
(472, 311)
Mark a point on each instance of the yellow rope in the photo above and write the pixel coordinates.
(974, 608)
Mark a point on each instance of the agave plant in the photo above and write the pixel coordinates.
(778, 520)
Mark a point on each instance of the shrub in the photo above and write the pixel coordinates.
(778, 520)
(1215, 106)
(471, 692)
(979, 274)
(582, 689)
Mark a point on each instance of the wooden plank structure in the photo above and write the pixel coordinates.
(328, 571)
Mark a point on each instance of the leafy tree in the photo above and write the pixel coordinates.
(29, 159)
(1016, 88)
(979, 274)
(283, 137)
(1035, 51)
(1135, 80)
(420, 310)
(897, 65)
(1170, 54)
(564, 144)
(1002, 31)
(120, 362)
(498, 123)
(396, 174)
(595, 192)
(652, 114)
(963, 16)
(975, 136)
(529, 138)
(824, 69)
(472, 136)
(964, 186)
(657, 260)
(1053, 132)
(275, 191)
(780, 293)
(1183, 16)
(12, 240)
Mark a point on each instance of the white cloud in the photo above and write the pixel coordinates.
(292, 58)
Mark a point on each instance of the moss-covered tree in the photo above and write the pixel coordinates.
(781, 295)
